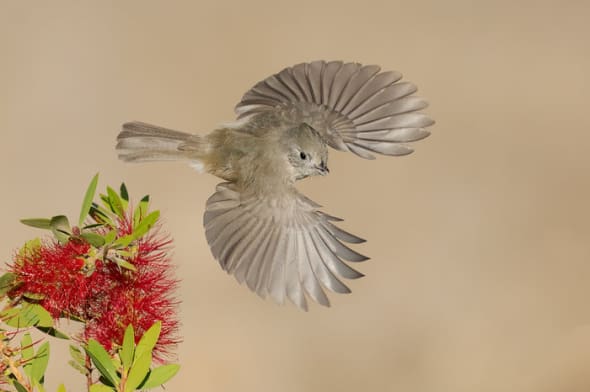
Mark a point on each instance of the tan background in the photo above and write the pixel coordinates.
(480, 270)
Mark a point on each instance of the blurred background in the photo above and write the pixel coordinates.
(479, 241)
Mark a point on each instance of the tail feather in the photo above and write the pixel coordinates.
(141, 142)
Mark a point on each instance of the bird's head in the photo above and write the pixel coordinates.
(307, 152)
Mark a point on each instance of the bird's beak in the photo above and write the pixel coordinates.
(323, 169)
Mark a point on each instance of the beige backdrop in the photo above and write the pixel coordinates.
(480, 270)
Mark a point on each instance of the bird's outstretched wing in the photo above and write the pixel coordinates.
(282, 247)
(356, 108)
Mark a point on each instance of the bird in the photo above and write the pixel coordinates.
(259, 227)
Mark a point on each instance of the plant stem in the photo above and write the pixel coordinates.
(88, 364)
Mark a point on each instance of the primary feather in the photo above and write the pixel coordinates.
(356, 108)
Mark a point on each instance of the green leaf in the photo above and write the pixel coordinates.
(60, 222)
(94, 239)
(124, 241)
(51, 331)
(87, 202)
(124, 196)
(145, 224)
(21, 316)
(125, 264)
(39, 223)
(19, 387)
(123, 192)
(110, 236)
(60, 226)
(61, 388)
(160, 375)
(101, 388)
(7, 282)
(78, 360)
(128, 348)
(126, 253)
(102, 360)
(77, 355)
(115, 202)
(27, 352)
(30, 247)
(81, 369)
(40, 362)
(101, 215)
(138, 372)
(141, 210)
(148, 340)
(92, 225)
(34, 296)
(45, 319)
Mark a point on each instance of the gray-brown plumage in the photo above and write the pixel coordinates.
(259, 227)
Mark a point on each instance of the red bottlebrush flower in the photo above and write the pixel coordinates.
(100, 293)
(54, 273)
(139, 297)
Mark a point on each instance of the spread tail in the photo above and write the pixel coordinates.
(141, 142)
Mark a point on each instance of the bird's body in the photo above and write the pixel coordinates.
(259, 227)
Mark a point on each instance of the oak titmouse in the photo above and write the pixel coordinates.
(259, 227)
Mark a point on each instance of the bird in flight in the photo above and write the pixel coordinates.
(258, 226)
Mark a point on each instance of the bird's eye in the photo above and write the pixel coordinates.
(303, 155)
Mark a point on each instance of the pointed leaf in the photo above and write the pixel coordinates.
(77, 355)
(138, 372)
(45, 319)
(27, 352)
(61, 388)
(160, 375)
(124, 196)
(124, 241)
(148, 340)
(141, 210)
(60, 222)
(125, 264)
(100, 388)
(115, 202)
(34, 296)
(87, 202)
(126, 253)
(145, 224)
(21, 316)
(40, 362)
(94, 239)
(110, 236)
(51, 331)
(39, 223)
(7, 283)
(30, 247)
(102, 360)
(92, 225)
(101, 215)
(128, 348)
(123, 191)
(19, 387)
(60, 228)
(81, 369)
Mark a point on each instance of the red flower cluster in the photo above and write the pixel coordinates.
(106, 298)
(53, 272)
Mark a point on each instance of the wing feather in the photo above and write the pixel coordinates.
(323, 273)
(342, 101)
(335, 264)
(281, 247)
(314, 75)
